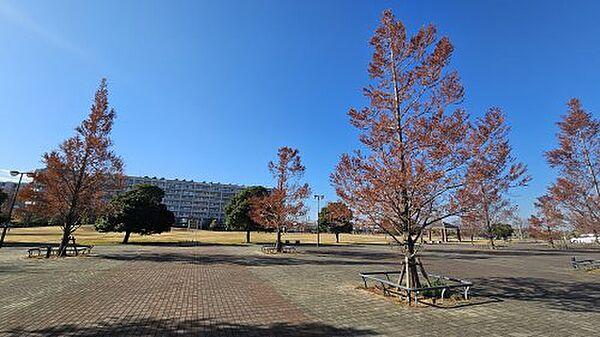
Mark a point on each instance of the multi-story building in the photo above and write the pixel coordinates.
(8, 187)
(194, 204)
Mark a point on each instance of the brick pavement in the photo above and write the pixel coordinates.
(238, 291)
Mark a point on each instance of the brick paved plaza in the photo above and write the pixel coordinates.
(238, 291)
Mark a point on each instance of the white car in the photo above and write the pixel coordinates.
(585, 238)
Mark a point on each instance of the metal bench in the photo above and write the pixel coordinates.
(273, 249)
(389, 287)
(586, 264)
(48, 251)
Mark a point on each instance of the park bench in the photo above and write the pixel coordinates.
(48, 251)
(388, 287)
(273, 249)
(586, 264)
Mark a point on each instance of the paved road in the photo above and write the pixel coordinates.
(238, 291)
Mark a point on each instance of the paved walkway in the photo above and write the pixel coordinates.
(238, 291)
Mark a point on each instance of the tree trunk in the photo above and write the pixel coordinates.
(248, 236)
(4, 230)
(64, 242)
(126, 238)
(278, 246)
(412, 277)
(492, 241)
(337, 237)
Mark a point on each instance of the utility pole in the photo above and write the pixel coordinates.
(319, 197)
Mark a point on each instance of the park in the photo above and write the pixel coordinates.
(420, 214)
(220, 286)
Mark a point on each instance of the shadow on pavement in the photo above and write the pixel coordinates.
(568, 296)
(169, 327)
(235, 259)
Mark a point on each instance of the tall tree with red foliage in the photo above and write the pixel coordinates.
(493, 171)
(416, 139)
(78, 176)
(285, 203)
(575, 195)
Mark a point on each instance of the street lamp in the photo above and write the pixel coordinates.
(12, 204)
(319, 197)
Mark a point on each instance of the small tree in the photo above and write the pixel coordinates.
(139, 210)
(336, 218)
(492, 173)
(501, 231)
(237, 211)
(575, 195)
(548, 221)
(285, 203)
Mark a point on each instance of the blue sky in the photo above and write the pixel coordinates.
(208, 90)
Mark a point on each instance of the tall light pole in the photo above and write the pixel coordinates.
(319, 197)
(12, 204)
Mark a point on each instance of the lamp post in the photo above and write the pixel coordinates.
(12, 204)
(319, 197)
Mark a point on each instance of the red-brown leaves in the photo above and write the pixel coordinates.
(492, 172)
(548, 222)
(338, 213)
(285, 203)
(575, 196)
(421, 153)
(82, 171)
(416, 151)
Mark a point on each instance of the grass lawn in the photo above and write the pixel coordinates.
(88, 236)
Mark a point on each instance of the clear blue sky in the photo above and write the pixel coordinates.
(208, 90)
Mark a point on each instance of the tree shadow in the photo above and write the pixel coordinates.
(357, 254)
(569, 296)
(30, 244)
(252, 260)
(197, 327)
(184, 244)
(479, 254)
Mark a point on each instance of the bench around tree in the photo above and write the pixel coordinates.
(412, 294)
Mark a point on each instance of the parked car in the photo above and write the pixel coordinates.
(585, 238)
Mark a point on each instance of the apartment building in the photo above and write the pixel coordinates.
(194, 204)
(8, 187)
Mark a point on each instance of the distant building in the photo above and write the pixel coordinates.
(194, 204)
(8, 187)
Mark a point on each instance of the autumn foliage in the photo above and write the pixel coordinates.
(419, 149)
(79, 175)
(493, 171)
(548, 222)
(336, 217)
(573, 200)
(282, 207)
